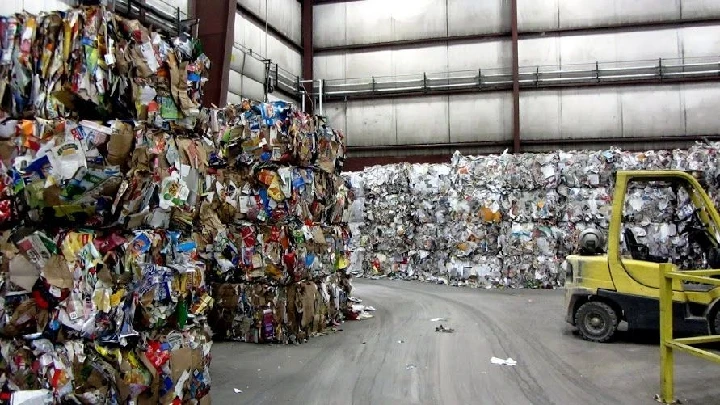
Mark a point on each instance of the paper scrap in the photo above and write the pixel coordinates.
(57, 273)
(507, 362)
(23, 273)
(31, 397)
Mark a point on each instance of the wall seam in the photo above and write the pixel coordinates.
(447, 112)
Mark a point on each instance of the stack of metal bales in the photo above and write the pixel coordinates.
(509, 220)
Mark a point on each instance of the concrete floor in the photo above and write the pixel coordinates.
(366, 364)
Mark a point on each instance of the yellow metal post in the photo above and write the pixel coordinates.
(666, 334)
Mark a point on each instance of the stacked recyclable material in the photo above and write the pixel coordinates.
(387, 219)
(276, 229)
(509, 220)
(356, 221)
(586, 188)
(104, 299)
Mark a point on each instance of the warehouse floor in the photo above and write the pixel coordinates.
(367, 364)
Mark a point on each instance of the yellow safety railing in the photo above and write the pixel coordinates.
(668, 274)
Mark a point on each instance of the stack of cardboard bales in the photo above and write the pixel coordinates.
(103, 293)
(276, 229)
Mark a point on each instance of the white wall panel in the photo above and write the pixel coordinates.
(249, 35)
(417, 18)
(620, 46)
(370, 21)
(652, 111)
(422, 120)
(367, 64)
(247, 65)
(627, 46)
(245, 86)
(253, 37)
(589, 114)
(574, 13)
(646, 111)
(702, 103)
(540, 114)
(537, 15)
(479, 55)
(286, 57)
(468, 17)
(430, 59)
(480, 117)
(648, 45)
(700, 8)
(556, 50)
(364, 23)
(283, 15)
(329, 67)
(701, 41)
(371, 122)
(329, 24)
(538, 51)
(336, 116)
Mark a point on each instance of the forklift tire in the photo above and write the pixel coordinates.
(714, 321)
(596, 321)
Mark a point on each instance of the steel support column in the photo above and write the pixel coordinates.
(216, 33)
(515, 76)
(308, 72)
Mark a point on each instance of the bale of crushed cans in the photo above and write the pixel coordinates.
(509, 220)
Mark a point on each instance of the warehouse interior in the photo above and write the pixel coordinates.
(359, 201)
(455, 73)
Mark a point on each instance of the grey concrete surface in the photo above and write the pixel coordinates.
(365, 364)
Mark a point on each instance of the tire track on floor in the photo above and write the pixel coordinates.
(528, 383)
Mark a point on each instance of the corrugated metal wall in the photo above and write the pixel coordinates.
(667, 110)
(247, 73)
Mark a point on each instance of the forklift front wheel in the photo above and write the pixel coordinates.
(596, 321)
(714, 320)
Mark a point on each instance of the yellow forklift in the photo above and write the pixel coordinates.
(603, 289)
